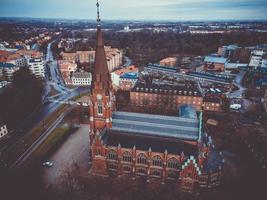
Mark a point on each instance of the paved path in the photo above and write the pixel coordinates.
(72, 153)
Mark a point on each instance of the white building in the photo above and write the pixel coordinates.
(3, 130)
(264, 63)
(81, 79)
(3, 84)
(37, 67)
(115, 78)
(256, 58)
(7, 70)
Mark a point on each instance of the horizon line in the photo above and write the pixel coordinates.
(149, 20)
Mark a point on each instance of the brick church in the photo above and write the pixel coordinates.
(155, 147)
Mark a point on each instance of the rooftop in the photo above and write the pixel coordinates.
(6, 65)
(187, 111)
(81, 75)
(143, 142)
(130, 75)
(214, 59)
(216, 77)
(187, 90)
(180, 128)
(162, 68)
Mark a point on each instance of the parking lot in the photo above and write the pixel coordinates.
(74, 152)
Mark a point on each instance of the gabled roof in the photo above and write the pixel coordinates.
(155, 125)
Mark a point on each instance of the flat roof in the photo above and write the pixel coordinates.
(156, 125)
(214, 59)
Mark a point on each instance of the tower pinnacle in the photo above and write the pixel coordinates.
(98, 13)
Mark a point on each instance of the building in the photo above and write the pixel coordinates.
(241, 55)
(67, 68)
(234, 66)
(37, 67)
(113, 56)
(3, 130)
(85, 56)
(212, 103)
(256, 59)
(69, 57)
(7, 70)
(128, 81)
(213, 63)
(170, 61)
(265, 100)
(230, 51)
(81, 79)
(3, 84)
(155, 68)
(125, 78)
(234, 53)
(221, 51)
(30, 53)
(155, 147)
(165, 97)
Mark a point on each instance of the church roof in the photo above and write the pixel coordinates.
(144, 142)
(155, 125)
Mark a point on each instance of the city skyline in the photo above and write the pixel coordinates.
(138, 9)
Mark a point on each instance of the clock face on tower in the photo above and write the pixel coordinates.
(99, 97)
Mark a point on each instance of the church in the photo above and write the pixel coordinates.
(167, 149)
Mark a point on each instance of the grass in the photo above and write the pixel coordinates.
(29, 138)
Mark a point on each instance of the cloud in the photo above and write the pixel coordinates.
(137, 9)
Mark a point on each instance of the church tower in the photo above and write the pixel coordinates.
(101, 97)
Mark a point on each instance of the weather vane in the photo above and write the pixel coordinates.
(98, 13)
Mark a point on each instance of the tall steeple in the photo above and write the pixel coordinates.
(101, 76)
(101, 98)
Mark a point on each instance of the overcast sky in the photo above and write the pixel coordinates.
(137, 9)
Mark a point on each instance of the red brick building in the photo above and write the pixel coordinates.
(167, 97)
(156, 147)
(214, 102)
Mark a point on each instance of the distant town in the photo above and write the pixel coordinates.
(179, 108)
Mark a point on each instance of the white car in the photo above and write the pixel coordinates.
(235, 106)
(48, 164)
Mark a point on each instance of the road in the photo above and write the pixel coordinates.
(21, 160)
(238, 82)
(127, 63)
(65, 94)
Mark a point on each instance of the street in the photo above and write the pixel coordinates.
(48, 106)
(238, 82)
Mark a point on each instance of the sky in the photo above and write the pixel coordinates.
(178, 10)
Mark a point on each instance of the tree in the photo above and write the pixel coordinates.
(19, 100)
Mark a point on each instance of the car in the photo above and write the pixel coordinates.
(48, 164)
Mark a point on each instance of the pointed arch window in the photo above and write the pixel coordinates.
(157, 161)
(112, 155)
(127, 157)
(99, 108)
(142, 159)
(173, 163)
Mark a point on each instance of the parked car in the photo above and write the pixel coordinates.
(48, 164)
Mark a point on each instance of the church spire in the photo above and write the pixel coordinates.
(101, 76)
(98, 13)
